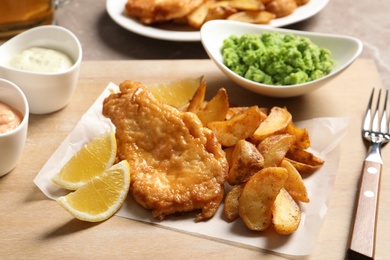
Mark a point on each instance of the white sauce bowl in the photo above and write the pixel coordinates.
(45, 92)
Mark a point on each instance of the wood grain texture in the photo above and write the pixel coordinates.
(364, 228)
(34, 227)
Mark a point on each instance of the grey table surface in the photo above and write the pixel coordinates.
(103, 39)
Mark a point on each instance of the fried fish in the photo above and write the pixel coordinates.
(154, 11)
(177, 165)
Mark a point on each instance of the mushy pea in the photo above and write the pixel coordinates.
(276, 59)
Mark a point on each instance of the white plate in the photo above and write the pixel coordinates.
(171, 32)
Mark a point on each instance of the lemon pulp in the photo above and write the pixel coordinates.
(91, 160)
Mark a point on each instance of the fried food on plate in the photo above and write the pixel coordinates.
(154, 11)
(196, 12)
(177, 165)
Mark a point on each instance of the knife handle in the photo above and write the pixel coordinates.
(362, 245)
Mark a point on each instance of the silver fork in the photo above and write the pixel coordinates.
(362, 244)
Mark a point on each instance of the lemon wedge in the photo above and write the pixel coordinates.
(175, 93)
(91, 160)
(101, 197)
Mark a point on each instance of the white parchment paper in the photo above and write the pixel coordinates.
(326, 135)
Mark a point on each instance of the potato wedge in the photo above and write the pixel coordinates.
(258, 197)
(245, 160)
(197, 101)
(230, 207)
(294, 184)
(216, 109)
(220, 11)
(255, 17)
(276, 122)
(286, 215)
(240, 126)
(281, 8)
(304, 168)
(235, 110)
(302, 135)
(247, 5)
(274, 148)
(197, 17)
(304, 161)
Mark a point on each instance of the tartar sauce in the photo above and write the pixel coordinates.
(38, 59)
(10, 118)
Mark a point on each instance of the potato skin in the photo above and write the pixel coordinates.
(231, 203)
(258, 196)
(245, 161)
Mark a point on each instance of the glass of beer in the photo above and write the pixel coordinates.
(19, 15)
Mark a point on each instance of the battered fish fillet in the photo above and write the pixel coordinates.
(177, 165)
(153, 11)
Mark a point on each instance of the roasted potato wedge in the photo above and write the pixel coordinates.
(258, 197)
(276, 122)
(197, 101)
(301, 134)
(281, 8)
(294, 184)
(216, 109)
(235, 110)
(247, 5)
(245, 160)
(197, 17)
(255, 17)
(220, 12)
(286, 215)
(240, 126)
(304, 168)
(304, 161)
(274, 148)
(230, 207)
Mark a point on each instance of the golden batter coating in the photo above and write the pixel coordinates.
(177, 165)
(154, 11)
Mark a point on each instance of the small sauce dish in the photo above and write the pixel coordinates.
(12, 142)
(344, 50)
(46, 92)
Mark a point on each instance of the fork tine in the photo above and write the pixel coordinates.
(367, 118)
(375, 122)
(384, 123)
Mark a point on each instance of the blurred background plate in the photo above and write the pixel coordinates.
(176, 32)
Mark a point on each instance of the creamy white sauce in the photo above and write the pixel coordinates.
(38, 59)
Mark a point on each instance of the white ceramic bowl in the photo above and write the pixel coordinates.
(12, 142)
(45, 92)
(344, 50)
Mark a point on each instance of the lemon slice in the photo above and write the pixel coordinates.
(91, 160)
(175, 93)
(101, 197)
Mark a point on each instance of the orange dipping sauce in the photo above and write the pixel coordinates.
(10, 118)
